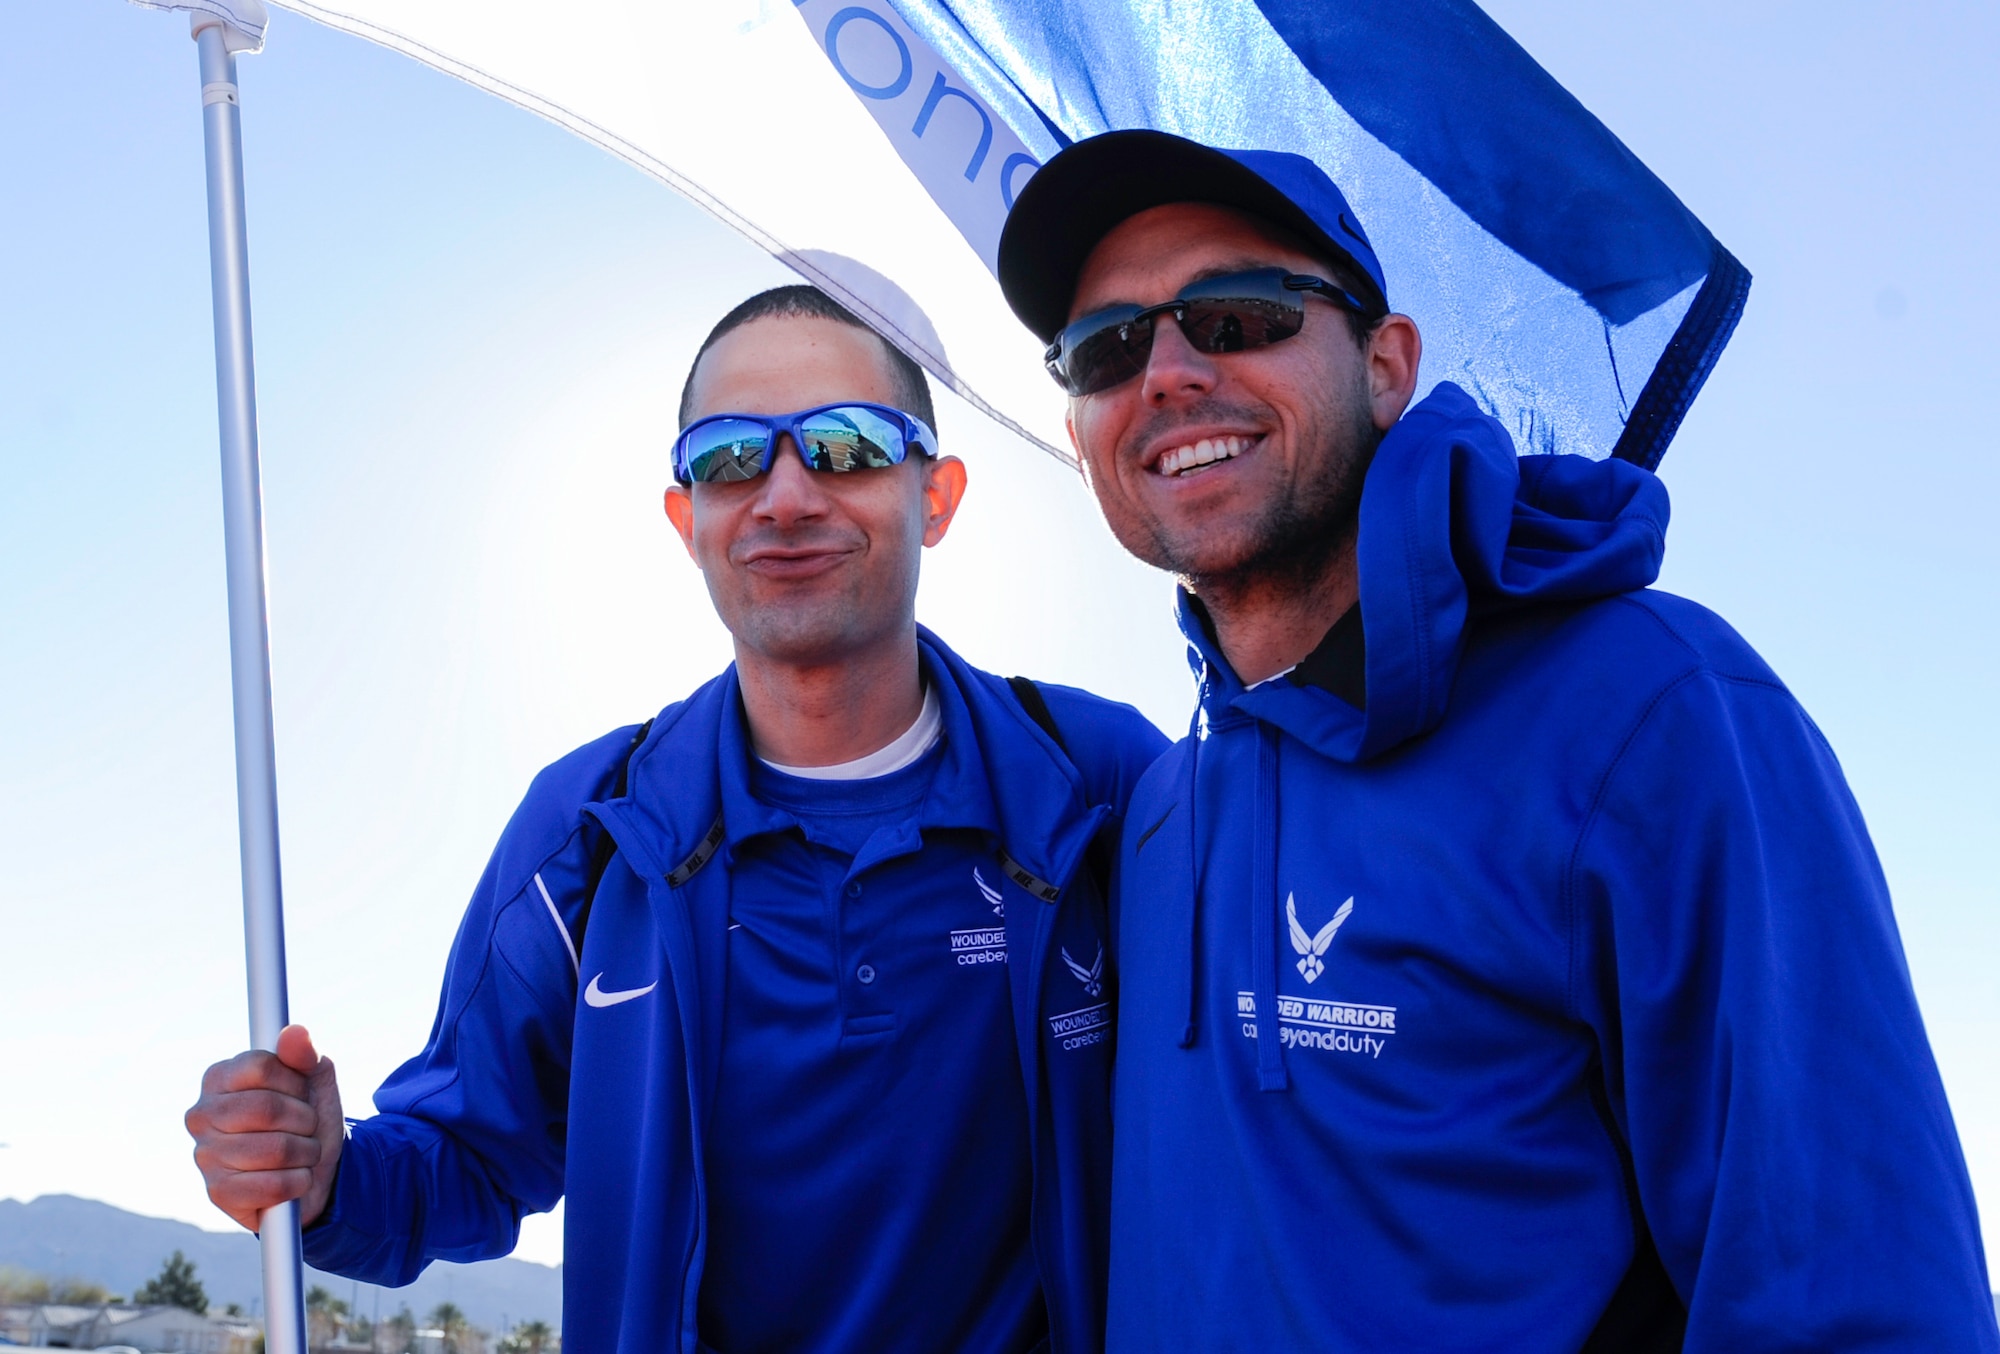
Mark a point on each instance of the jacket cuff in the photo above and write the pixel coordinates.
(351, 1237)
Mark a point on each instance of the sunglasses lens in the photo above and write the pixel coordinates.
(1248, 310)
(851, 438)
(1229, 314)
(724, 450)
(1104, 350)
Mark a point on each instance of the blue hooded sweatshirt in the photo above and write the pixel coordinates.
(1516, 974)
(533, 1088)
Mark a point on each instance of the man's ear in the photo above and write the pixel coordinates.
(1395, 350)
(680, 511)
(1069, 426)
(944, 486)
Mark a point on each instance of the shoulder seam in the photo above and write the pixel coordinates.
(660, 724)
(534, 872)
(1007, 696)
(489, 949)
(1737, 679)
(1700, 671)
(1589, 820)
(555, 913)
(569, 943)
(535, 993)
(1630, 600)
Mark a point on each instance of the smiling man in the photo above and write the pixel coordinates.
(799, 993)
(1505, 965)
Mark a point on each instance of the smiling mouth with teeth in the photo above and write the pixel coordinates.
(1195, 457)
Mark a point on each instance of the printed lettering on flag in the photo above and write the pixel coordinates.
(875, 145)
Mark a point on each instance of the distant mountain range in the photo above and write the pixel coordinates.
(64, 1237)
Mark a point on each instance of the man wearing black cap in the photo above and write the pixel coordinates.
(1506, 964)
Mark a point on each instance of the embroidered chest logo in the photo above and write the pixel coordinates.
(1087, 1025)
(979, 945)
(1092, 978)
(1312, 948)
(989, 893)
(976, 945)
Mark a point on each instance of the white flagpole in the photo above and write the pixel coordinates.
(249, 635)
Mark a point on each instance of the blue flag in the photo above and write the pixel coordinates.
(1553, 275)
(874, 146)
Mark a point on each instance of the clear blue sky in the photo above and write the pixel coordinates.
(471, 330)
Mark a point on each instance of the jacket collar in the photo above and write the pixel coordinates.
(958, 797)
(999, 773)
(1453, 525)
(1337, 664)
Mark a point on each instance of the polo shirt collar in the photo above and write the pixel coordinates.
(960, 794)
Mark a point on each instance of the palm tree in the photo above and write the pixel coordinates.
(533, 1337)
(398, 1332)
(450, 1323)
(325, 1316)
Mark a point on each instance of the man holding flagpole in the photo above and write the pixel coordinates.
(1505, 964)
(798, 994)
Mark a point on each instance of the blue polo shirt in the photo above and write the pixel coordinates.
(868, 1176)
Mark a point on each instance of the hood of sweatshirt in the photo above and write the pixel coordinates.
(1453, 526)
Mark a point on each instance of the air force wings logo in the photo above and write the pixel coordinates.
(989, 893)
(1312, 949)
(1092, 978)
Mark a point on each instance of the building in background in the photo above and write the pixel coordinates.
(153, 1328)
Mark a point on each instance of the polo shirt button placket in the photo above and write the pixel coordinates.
(863, 973)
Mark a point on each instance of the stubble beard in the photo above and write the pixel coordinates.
(1295, 540)
(817, 627)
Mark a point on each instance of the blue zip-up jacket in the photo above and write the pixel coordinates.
(526, 1094)
(1516, 974)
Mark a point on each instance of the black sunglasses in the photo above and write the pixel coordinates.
(1228, 314)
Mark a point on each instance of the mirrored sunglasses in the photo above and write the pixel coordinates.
(725, 448)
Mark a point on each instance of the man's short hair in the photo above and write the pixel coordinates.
(800, 301)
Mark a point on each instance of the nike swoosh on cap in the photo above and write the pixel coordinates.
(597, 996)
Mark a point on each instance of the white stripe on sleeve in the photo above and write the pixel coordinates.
(556, 917)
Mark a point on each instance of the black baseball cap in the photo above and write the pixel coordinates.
(1077, 198)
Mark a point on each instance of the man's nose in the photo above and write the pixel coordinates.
(1175, 369)
(788, 492)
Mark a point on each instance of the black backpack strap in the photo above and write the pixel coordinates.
(1037, 707)
(605, 848)
(1103, 848)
